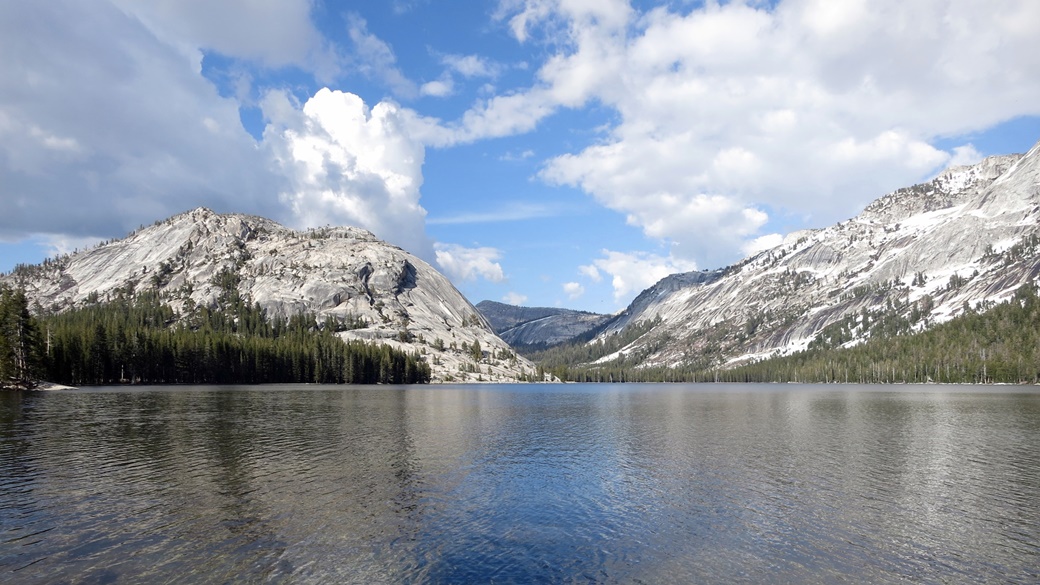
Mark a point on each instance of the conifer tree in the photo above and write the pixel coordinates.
(19, 340)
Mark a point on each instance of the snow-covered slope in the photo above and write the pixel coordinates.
(343, 272)
(913, 258)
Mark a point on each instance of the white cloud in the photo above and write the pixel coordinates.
(349, 165)
(467, 66)
(461, 263)
(965, 155)
(525, 15)
(472, 65)
(104, 127)
(812, 107)
(501, 115)
(762, 243)
(591, 272)
(514, 298)
(515, 211)
(438, 87)
(573, 290)
(107, 123)
(632, 272)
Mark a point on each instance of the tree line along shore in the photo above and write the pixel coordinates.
(135, 339)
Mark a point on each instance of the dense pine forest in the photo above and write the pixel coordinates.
(135, 339)
(19, 343)
(1000, 345)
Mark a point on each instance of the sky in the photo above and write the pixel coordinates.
(538, 152)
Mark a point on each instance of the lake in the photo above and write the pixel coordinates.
(521, 484)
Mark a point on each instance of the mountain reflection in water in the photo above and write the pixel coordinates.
(520, 483)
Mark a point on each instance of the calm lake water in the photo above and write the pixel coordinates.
(521, 483)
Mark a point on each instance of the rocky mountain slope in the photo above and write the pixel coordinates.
(911, 259)
(379, 292)
(538, 326)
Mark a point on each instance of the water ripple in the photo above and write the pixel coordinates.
(599, 484)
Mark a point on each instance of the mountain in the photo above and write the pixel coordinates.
(378, 292)
(524, 327)
(919, 256)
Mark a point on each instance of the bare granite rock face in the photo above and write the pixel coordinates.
(538, 326)
(924, 254)
(342, 272)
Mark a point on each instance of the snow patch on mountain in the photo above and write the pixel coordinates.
(917, 257)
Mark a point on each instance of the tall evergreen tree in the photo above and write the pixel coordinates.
(140, 340)
(19, 340)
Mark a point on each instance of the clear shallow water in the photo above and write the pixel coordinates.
(532, 483)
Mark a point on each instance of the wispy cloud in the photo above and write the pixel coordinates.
(511, 212)
(517, 156)
(472, 65)
(461, 263)
(376, 59)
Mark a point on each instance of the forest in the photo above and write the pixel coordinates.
(999, 345)
(135, 339)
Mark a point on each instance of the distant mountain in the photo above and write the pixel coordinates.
(525, 327)
(385, 294)
(919, 256)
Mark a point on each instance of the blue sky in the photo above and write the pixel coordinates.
(542, 152)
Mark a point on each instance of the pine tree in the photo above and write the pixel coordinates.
(19, 341)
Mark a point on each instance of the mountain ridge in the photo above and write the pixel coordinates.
(967, 238)
(344, 273)
(526, 327)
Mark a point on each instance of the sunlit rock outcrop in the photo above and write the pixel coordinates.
(383, 293)
(913, 258)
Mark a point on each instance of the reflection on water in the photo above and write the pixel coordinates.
(520, 484)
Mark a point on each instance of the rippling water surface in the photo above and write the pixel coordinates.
(664, 483)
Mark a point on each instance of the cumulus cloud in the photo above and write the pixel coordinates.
(514, 298)
(721, 114)
(574, 290)
(461, 263)
(725, 110)
(349, 165)
(107, 123)
(104, 127)
(632, 272)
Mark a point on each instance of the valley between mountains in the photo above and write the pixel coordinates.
(956, 246)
